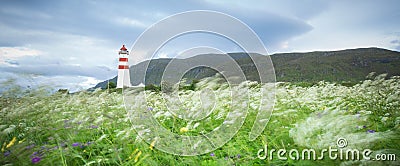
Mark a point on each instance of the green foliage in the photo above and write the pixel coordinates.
(111, 85)
(63, 91)
(152, 87)
(191, 86)
(93, 128)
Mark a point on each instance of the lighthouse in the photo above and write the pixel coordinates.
(123, 68)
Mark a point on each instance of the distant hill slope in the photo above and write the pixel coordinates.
(350, 65)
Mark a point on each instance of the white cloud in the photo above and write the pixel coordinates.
(285, 45)
(23, 13)
(304, 9)
(347, 25)
(90, 82)
(131, 22)
(72, 83)
(81, 47)
(162, 55)
(13, 53)
(69, 61)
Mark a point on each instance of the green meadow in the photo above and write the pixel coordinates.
(40, 127)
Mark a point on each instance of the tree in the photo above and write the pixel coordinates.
(64, 91)
(111, 85)
(152, 87)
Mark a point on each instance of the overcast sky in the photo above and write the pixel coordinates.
(73, 43)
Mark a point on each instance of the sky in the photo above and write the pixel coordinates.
(74, 43)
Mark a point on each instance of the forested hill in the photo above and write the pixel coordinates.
(350, 65)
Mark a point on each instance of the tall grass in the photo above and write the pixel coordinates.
(93, 128)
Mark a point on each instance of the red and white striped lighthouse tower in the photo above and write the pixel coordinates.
(123, 68)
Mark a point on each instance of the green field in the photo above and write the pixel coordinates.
(93, 128)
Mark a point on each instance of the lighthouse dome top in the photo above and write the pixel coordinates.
(123, 48)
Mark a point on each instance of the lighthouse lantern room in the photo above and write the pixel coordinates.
(123, 68)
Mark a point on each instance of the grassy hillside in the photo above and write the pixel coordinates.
(351, 65)
(347, 65)
(94, 128)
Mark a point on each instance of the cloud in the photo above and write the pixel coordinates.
(11, 62)
(350, 24)
(51, 66)
(131, 22)
(275, 29)
(396, 44)
(9, 55)
(68, 55)
(99, 72)
(303, 10)
(81, 38)
(90, 82)
(162, 55)
(100, 19)
(72, 83)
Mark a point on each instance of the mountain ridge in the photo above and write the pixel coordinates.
(349, 65)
